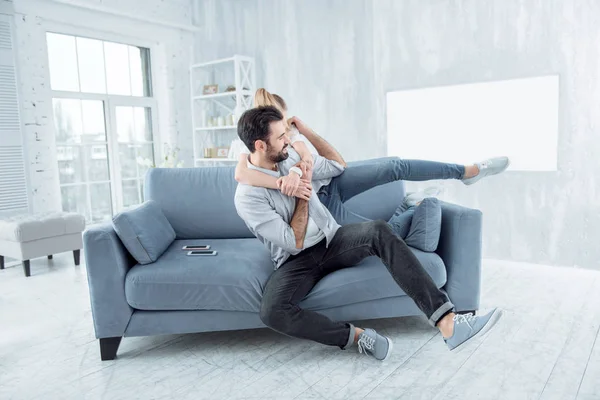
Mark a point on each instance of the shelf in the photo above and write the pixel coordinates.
(215, 128)
(215, 159)
(235, 102)
(223, 94)
(214, 62)
(222, 61)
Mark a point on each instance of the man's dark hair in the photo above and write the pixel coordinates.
(254, 125)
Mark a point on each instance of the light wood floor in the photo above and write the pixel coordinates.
(546, 347)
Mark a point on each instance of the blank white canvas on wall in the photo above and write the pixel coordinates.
(467, 123)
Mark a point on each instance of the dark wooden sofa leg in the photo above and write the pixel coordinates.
(76, 256)
(50, 257)
(26, 268)
(109, 347)
(1, 262)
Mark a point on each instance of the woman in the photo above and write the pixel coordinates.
(358, 177)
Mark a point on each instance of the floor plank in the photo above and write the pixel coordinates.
(546, 346)
(590, 383)
(515, 362)
(568, 372)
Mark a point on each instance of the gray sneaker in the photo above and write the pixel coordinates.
(370, 342)
(489, 167)
(468, 326)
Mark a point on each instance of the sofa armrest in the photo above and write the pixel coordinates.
(460, 249)
(107, 262)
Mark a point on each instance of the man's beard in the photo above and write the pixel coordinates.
(276, 157)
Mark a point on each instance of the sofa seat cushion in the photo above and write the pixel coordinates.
(369, 280)
(234, 279)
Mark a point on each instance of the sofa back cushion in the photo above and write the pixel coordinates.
(145, 231)
(198, 202)
(379, 202)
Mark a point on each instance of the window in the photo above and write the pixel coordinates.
(465, 123)
(103, 117)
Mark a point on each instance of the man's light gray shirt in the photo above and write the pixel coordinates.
(268, 212)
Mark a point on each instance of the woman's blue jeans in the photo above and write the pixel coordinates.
(361, 176)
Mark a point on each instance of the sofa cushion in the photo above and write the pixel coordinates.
(145, 231)
(204, 205)
(426, 225)
(369, 280)
(235, 278)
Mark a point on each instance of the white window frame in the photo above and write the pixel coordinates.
(114, 146)
(110, 103)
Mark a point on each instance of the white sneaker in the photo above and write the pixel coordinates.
(489, 167)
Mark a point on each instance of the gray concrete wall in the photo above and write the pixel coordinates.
(335, 60)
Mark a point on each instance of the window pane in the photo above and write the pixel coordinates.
(90, 55)
(117, 68)
(67, 120)
(62, 58)
(101, 202)
(125, 125)
(74, 199)
(137, 71)
(133, 159)
(134, 124)
(70, 167)
(130, 193)
(93, 121)
(143, 124)
(96, 159)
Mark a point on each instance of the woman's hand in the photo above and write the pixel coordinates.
(310, 160)
(300, 125)
(307, 169)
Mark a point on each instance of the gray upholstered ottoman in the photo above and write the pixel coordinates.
(38, 235)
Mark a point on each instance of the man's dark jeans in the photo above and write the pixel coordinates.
(291, 282)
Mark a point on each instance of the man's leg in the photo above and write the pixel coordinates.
(284, 290)
(353, 243)
(361, 176)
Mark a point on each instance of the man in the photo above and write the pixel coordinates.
(306, 244)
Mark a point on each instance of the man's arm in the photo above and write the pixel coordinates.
(263, 220)
(323, 147)
(324, 168)
(299, 222)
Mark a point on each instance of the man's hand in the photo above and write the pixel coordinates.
(304, 190)
(289, 184)
(293, 185)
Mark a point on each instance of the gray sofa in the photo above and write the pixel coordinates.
(182, 294)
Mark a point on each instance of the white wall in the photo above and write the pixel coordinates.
(171, 59)
(335, 60)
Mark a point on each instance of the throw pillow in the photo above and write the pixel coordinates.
(145, 231)
(426, 225)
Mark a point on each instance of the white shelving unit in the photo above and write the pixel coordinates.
(237, 71)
